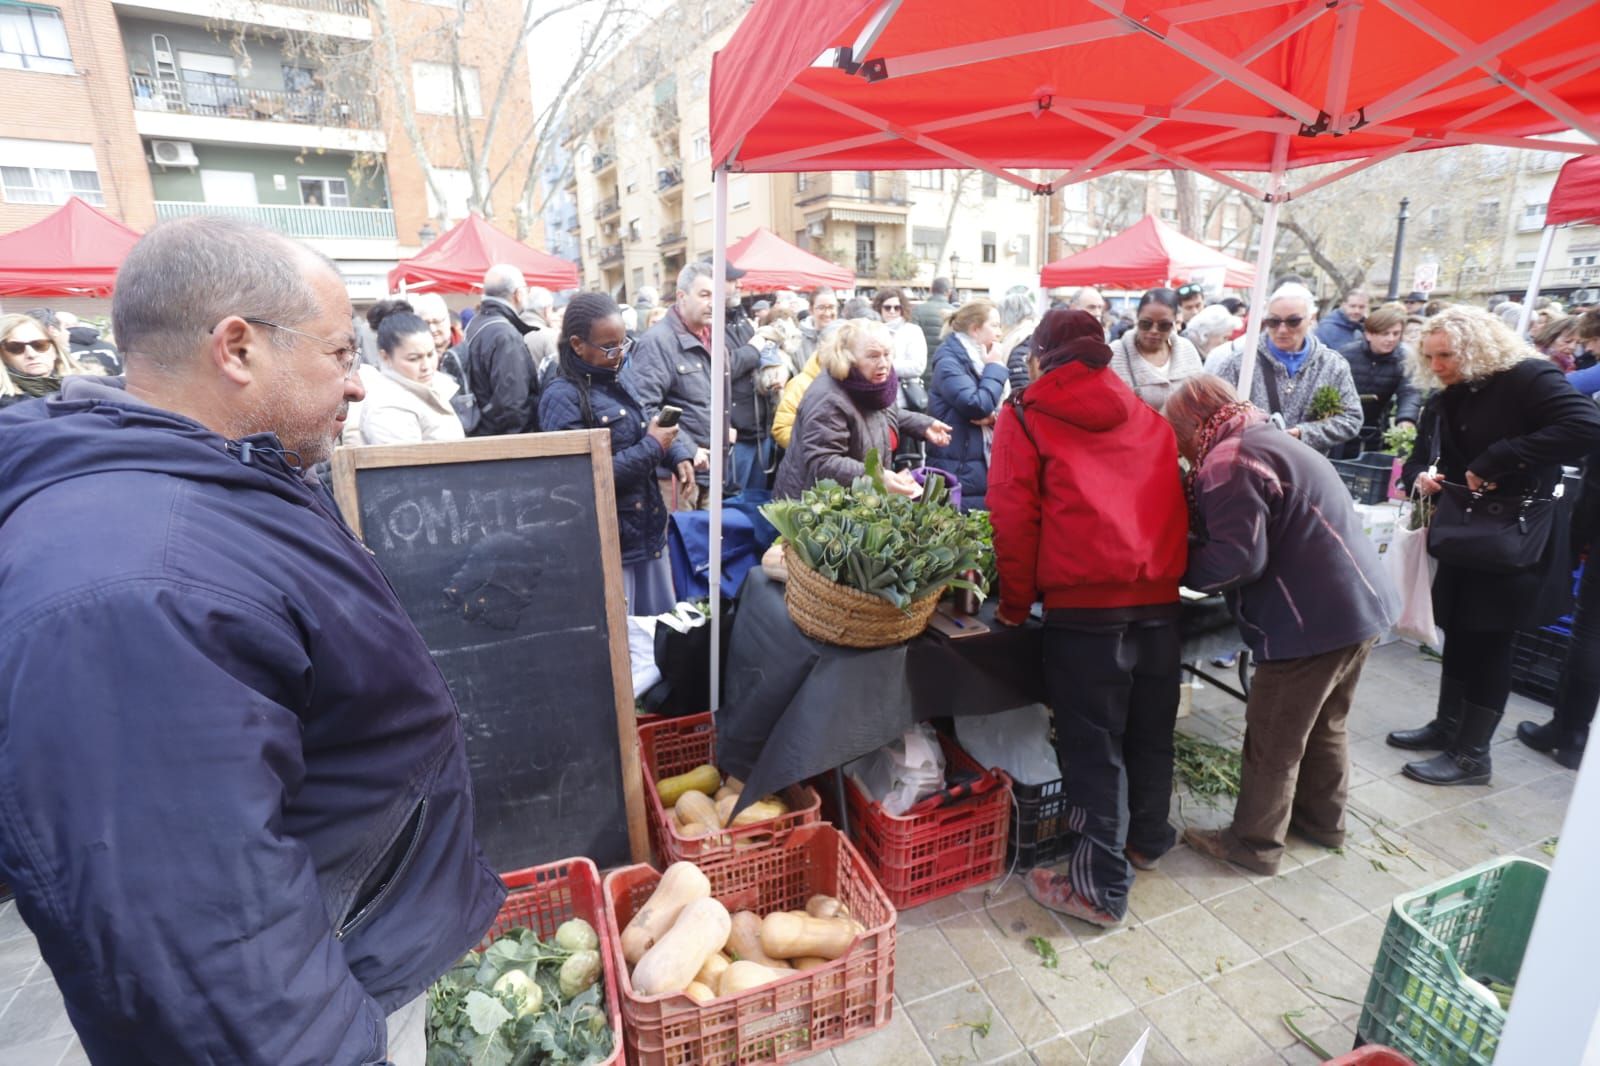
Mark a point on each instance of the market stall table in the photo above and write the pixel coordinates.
(794, 707)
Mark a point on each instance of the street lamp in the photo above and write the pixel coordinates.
(1399, 245)
(955, 273)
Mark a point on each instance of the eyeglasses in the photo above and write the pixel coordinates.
(345, 355)
(1146, 325)
(42, 346)
(891, 307)
(615, 351)
(1293, 321)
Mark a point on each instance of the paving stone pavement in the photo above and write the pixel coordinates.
(1210, 958)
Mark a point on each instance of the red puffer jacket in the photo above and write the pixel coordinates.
(1104, 522)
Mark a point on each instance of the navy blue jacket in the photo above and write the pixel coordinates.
(641, 511)
(1336, 330)
(957, 394)
(240, 826)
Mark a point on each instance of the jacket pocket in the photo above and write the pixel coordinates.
(387, 872)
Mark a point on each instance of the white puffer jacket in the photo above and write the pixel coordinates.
(398, 410)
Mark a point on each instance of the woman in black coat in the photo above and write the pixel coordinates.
(1503, 422)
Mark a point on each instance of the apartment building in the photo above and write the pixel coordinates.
(271, 111)
(1574, 261)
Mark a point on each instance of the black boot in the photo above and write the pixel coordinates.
(1560, 743)
(1569, 749)
(1466, 762)
(1539, 737)
(1437, 734)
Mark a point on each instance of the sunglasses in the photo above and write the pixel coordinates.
(43, 346)
(891, 307)
(1146, 325)
(1293, 321)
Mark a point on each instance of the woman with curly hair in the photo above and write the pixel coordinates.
(1502, 423)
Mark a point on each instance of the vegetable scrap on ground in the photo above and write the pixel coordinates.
(1206, 768)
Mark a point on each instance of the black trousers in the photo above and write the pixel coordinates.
(1579, 688)
(1114, 689)
(1481, 662)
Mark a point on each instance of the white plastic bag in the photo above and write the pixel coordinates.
(1411, 568)
(898, 775)
(1017, 741)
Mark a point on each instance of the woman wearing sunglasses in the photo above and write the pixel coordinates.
(587, 394)
(1151, 358)
(34, 362)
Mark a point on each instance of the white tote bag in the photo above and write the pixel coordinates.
(1412, 568)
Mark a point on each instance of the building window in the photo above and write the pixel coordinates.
(630, 177)
(702, 207)
(1169, 214)
(634, 232)
(802, 181)
(1488, 216)
(738, 192)
(988, 248)
(1526, 260)
(866, 250)
(433, 87)
(638, 282)
(864, 181)
(926, 242)
(701, 148)
(325, 192)
(991, 188)
(927, 179)
(705, 19)
(34, 38)
(1584, 260)
(210, 83)
(1533, 215)
(49, 172)
(697, 84)
(1019, 247)
(456, 185)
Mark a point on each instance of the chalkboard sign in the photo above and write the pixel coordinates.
(503, 550)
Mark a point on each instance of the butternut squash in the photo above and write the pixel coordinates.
(672, 962)
(695, 810)
(712, 969)
(744, 942)
(699, 992)
(725, 807)
(700, 779)
(809, 962)
(723, 792)
(791, 936)
(680, 885)
(743, 975)
(759, 811)
(826, 907)
(733, 783)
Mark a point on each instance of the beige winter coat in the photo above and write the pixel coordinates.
(398, 410)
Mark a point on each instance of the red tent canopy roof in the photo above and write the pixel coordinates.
(74, 251)
(457, 260)
(771, 263)
(1576, 196)
(1146, 254)
(1090, 86)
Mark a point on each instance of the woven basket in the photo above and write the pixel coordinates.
(828, 611)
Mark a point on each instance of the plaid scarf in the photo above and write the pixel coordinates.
(1227, 417)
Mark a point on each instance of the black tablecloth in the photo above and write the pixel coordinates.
(793, 707)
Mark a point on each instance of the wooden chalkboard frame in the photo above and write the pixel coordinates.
(595, 443)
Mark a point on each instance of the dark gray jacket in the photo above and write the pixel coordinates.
(832, 437)
(1323, 366)
(500, 372)
(670, 365)
(1277, 533)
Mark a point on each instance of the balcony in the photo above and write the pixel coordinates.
(669, 181)
(167, 109)
(673, 235)
(844, 196)
(605, 158)
(611, 205)
(313, 223)
(333, 18)
(1516, 279)
(611, 254)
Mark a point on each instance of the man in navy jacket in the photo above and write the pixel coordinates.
(241, 828)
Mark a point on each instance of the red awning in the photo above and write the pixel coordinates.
(74, 251)
(1083, 87)
(1146, 254)
(772, 263)
(458, 259)
(1576, 196)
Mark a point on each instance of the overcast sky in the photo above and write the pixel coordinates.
(550, 53)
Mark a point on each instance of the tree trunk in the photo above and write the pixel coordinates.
(395, 71)
(962, 178)
(1188, 204)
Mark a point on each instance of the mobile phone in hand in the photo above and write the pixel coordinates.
(669, 416)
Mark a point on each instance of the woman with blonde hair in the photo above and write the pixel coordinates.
(968, 381)
(1496, 432)
(850, 410)
(33, 360)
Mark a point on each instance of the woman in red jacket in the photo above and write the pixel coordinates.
(1089, 516)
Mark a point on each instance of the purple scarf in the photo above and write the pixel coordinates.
(869, 396)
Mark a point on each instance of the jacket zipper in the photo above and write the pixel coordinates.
(399, 872)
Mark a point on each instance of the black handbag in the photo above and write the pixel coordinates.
(916, 395)
(1489, 532)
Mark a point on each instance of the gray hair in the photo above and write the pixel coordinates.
(186, 275)
(540, 299)
(647, 297)
(428, 304)
(691, 274)
(1293, 290)
(502, 281)
(1015, 310)
(1210, 322)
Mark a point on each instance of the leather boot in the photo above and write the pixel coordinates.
(1465, 762)
(1539, 737)
(1437, 734)
(1559, 742)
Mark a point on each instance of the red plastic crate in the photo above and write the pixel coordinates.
(541, 898)
(928, 856)
(789, 1019)
(672, 746)
(1371, 1055)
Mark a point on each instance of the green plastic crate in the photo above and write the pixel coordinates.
(1429, 997)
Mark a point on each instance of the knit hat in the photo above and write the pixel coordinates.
(1065, 335)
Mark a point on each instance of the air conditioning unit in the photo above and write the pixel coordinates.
(816, 229)
(173, 153)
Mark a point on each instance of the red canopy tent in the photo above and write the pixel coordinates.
(74, 251)
(1574, 199)
(770, 263)
(457, 260)
(1148, 253)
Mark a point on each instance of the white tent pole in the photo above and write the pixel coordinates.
(1258, 294)
(1546, 239)
(719, 415)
